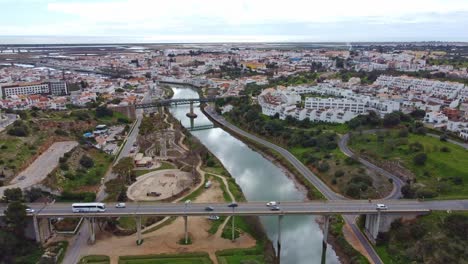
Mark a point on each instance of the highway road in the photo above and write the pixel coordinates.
(348, 207)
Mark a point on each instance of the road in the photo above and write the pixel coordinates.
(397, 182)
(41, 166)
(316, 181)
(73, 253)
(348, 207)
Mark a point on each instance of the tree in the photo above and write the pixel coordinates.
(86, 162)
(19, 129)
(391, 119)
(33, 194)
(16, 217)
(420, 159)
(102, 111)
(418, 113)
(124, 168)
(12, 195)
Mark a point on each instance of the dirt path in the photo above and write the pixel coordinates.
(233, 199)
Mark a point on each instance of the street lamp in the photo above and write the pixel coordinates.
(233, 206)
(187, 202)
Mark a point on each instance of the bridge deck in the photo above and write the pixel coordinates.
(254, 208)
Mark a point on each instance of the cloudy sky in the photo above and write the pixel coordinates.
(238, 20)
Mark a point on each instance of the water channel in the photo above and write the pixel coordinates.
(260, 180)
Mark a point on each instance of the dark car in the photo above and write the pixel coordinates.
(209, 208)
(233, 205)
(275, 208)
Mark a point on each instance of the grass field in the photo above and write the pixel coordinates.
(188, 258)
(444, 172)
(94, 259)
(14, 151)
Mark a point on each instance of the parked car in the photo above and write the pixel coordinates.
(272, 203)
(120, 205)
(381, 207)
(213, 217)
(209, 208)
(29, 210)
(275, 208)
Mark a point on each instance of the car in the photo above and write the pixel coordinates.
(120, 205)
(233, 205)
(275, 208)
(209, 208)
(272, 203)
(381, 207)
(213, 217)
(30, 210)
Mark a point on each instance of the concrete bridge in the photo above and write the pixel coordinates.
(376, 219)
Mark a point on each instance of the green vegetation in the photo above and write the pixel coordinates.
(336, 230)
(435, 238)
(185, 258)
(94, 259)
(315, 145)
(14, 246)
(437, 168)
(238, 255)
(116, 190)
(82, 167)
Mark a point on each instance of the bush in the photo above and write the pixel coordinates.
(425, 193)
(102, 111)
(323, 166)
(403, 132)
(416, 147)
(408, 192)
(339, 173)
(64, 167)
(444, 149)
(86, 162)
(420, 159)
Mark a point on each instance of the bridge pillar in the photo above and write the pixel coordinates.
(92, 236)
(326, 226)
(191, 114)
(233, 229)
(138, 226)
(37, 232)
(375, 231)
(186, 229)
(278, 242)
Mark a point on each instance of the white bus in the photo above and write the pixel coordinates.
(88, 207)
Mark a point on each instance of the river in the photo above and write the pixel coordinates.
(261, 180)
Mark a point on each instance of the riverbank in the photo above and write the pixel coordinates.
(346, 252)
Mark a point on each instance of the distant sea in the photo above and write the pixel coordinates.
(38, 40)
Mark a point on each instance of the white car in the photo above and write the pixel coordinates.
(29, 210)
(272, 203)
(213, 217)
(381, 207)
(120, 205)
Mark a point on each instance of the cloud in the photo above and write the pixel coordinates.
(242, 20)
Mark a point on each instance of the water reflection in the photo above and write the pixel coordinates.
(260, 180)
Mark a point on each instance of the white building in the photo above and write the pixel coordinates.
(343, 104)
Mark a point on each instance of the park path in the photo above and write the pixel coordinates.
(41, 167)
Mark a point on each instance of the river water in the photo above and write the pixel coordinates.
(260, 180)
